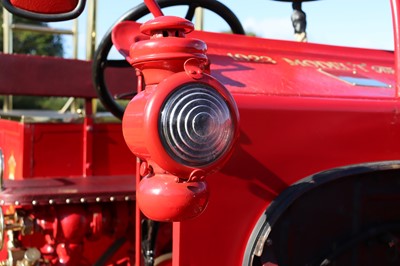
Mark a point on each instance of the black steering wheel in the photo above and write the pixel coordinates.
(101, 63)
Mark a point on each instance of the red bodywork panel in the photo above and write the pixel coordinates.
(26, 146)
(40, 77)
(295, 121)
(26, 135)
(304, 108)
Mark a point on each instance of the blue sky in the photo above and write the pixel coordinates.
(357, 23)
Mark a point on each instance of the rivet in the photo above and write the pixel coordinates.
(16, 202)
(98, 199)
(112, 198)
(83, 200)
(34, 202)
(68, 201)
(127, 198)
(51, 201)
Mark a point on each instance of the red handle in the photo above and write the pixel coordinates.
(154, 8)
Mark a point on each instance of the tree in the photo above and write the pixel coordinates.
(25, 42)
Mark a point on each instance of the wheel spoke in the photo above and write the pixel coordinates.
(117, 63)
(125, 96)
(190, 13)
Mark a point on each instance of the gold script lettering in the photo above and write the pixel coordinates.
(383, 69)
(317, 64)
(252, 58)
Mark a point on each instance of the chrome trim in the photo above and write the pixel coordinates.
(355, 79)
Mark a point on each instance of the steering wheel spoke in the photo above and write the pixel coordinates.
(190, 12)
(125, 96)
(122, 63)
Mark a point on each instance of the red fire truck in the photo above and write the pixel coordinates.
(232, 150)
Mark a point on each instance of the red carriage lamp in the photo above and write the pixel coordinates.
(183, 124)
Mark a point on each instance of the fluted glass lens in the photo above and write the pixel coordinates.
(195, 125)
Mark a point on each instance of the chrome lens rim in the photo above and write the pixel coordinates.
(195, 125)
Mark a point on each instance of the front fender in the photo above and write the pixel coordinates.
(289, 196)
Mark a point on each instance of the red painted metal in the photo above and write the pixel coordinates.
(65, 190)
(51, 76)
(183, 193)
(155, 27)
(308, 99)
(154, 8)
(139, 218)
(299, 116)
(75, 219)
(88, 125)
(47, 7)
(163, 198)
(396, 33)
(306, 122)
(25, 147)
(65, 227)
(139, 171)
(140, 124)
